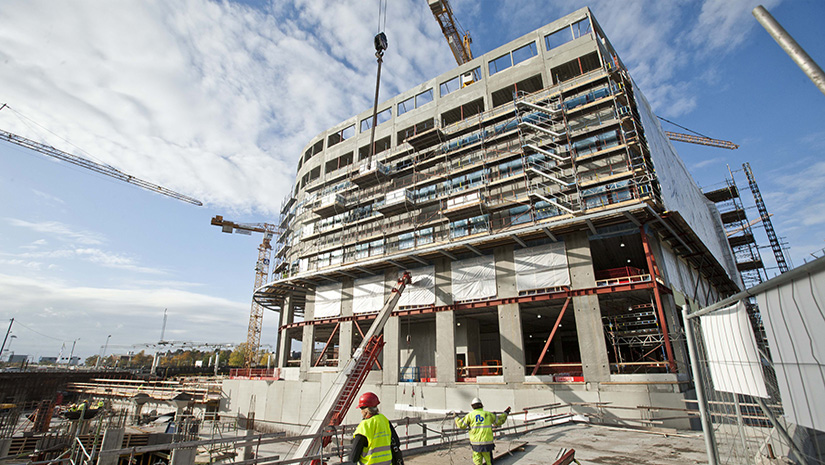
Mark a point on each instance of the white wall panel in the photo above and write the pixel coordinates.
(328, 300)
(794, 318)
(732, 357)
(368, 294)
(473, 278)
(422, 289)
(541, 267)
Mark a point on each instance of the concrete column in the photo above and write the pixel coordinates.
(112, 440)
(444, 324)
(509, 317)
(589, 329)
(308, 340)
(284, 344)
(392, 333)
(345, 329)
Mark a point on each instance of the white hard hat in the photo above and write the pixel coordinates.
(475, 400)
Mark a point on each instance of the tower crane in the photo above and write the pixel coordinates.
(107, 170)
(256, 314)
(459, 41)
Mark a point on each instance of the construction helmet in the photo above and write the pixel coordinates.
(475, 401)
(368, 399)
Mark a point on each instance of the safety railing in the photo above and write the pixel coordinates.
(758, 361)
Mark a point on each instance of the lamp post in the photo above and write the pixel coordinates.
(71, 354)
(103, 352)
(8, 350)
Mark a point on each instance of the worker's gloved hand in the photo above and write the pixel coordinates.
(451, 413)
(507, 410)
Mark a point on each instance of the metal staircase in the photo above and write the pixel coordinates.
(334, 405)
(544, 132)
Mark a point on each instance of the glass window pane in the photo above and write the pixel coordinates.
(348, 132)
(384, 116)
(524, 53)
(424, 98)
(449, 86)
(560, 37)
(581, 28)
(405, 106)
(500, 64)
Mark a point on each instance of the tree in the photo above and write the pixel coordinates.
(238, 356)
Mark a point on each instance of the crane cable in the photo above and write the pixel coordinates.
(29, 122)
(686, 129)
(382, 12)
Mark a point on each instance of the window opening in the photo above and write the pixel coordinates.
(524, 53)
(380, 146)
(500, 64)
(423, 98)
(382, 117)
(341, 135)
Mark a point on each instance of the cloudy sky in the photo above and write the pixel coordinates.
(216, 99)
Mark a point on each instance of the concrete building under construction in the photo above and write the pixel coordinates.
(549, 225)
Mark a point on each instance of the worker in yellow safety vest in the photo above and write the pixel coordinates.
(480, 423)
(375, 441)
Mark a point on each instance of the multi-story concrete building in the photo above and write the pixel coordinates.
(550, 227)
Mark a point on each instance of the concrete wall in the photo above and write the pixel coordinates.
(286, 405)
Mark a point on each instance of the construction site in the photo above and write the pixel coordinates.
(519, 229)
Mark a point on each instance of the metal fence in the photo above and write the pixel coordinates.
(758, 362)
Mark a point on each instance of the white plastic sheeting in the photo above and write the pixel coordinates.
(731, 350)
(541, 267)
(672, 270)
(681, 193)
(368, 294)
(794, 318)
(422, 289)
(473, 278)
(327, 300)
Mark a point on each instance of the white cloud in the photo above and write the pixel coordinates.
(48, 197)
(58, 230)
(66, 313)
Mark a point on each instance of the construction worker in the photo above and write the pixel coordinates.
(480, 423)
(375, 440)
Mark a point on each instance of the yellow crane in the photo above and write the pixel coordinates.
(458, 39)
(256, 314)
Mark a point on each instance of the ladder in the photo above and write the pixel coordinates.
(334, 405)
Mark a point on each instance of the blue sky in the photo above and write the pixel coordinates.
(216, 100)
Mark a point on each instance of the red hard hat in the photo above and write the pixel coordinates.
(368, 399)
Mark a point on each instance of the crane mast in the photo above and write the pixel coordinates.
(256, 314)
(50, 151)
(458, 39)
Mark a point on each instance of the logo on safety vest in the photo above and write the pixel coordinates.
(479, 418)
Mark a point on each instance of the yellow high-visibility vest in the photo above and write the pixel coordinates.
(480, 422)
(379, 437)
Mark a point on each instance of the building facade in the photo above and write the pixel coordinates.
(551, 230)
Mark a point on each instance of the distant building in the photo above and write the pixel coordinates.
(51, 360)
(15, 358)
(551, 229)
